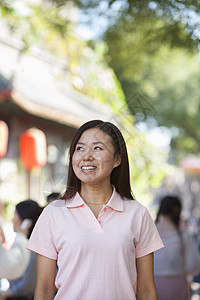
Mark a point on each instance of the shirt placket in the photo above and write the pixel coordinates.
(93, 221)
(101, 215)
(96, 223)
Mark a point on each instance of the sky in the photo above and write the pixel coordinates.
(158, 136)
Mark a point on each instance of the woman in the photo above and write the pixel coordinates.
(14, 261)
(101, 239)
(179, 257)
(23, 287)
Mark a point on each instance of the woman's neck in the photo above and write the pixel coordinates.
(97, 194)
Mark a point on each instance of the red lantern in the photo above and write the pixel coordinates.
(3, 138)
(33, 149)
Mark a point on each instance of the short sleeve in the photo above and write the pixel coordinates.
(149, 239)
(42, 239)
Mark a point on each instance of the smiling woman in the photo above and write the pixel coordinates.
(100, 237)
(107, 138)
(93, 159)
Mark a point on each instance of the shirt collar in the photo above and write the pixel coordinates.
(115, 201)
(76, 201)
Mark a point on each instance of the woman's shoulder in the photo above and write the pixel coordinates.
(54, 206)
(134, 203)
(134, 207)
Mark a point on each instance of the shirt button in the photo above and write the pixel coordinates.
(100, 222)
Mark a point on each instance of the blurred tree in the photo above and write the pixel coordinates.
(36, 23)
(143, 38)
(176, 96)
(175, 12)
(159, 80)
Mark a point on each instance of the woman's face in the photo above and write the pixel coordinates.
(17, 221)
(93, 159)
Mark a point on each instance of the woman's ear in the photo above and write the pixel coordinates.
(117, 161)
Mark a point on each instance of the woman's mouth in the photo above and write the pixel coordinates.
(88, 168)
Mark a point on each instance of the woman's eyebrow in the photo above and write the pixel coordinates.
(94, 143)
(80, 143)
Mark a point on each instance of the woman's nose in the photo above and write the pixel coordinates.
(88, 155)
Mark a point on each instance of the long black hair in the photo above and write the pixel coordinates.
(120, 176)
(170, 206)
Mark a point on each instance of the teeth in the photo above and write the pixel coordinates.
(88, 168)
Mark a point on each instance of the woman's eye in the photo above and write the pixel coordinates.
(97, 148)
(79, 148)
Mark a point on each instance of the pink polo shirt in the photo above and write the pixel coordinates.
(95, 257)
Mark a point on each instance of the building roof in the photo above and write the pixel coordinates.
(30, 81)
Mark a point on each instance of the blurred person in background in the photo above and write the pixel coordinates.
(196, 278)
(179, 258)
(53, 196)
(14, 260)
(18, 261)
